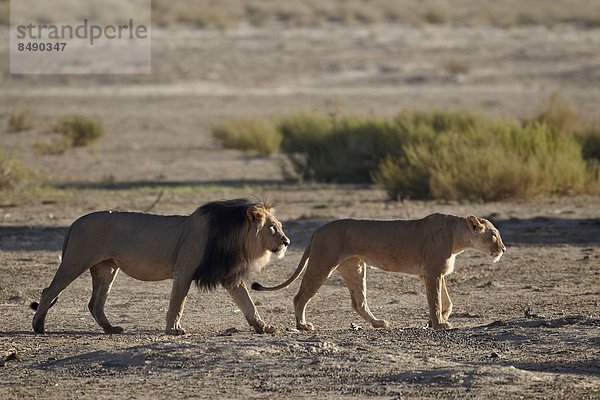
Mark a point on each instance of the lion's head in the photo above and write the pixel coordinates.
(241, 236)
(485, 237)
(269, 231)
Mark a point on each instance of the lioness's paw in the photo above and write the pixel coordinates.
(175, 331)
(380, 323)
(443, 325)
(307, 326)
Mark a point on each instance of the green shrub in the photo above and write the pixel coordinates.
(79, 130)
(449, 155)
(19, 120)
(339, 149)
(13, 173)
(349, 148)
(303, 130)
(249, 134)
(506, 160)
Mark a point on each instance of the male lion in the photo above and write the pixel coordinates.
(426, 247)
(219, 243)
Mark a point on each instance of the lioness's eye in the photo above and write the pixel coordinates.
(494, 238)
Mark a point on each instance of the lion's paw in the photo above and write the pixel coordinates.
(380, 323)
(271, 329)
(264, 328)
(114, 330)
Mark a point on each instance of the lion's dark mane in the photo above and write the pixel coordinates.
(224, 259)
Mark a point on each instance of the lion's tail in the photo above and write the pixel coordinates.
(34, 305)
(295, 275)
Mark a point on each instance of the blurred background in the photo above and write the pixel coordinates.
(416, 98)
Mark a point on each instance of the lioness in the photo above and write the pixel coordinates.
(426, 247)
(220, 243)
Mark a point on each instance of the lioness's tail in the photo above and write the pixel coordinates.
(295, 275)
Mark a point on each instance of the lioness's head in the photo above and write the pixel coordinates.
(269, 230)
(485, 237)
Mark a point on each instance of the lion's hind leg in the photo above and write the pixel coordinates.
(103, 275)
(354, 273)
(64, 276)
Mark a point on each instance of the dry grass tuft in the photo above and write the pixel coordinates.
(19, 120)
(14, 174)
(249, 134)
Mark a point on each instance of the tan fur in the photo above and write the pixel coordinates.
(425, 247)
(153, 248)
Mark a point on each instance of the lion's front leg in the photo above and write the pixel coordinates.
(433, 286)
(241, 297)
(181, 286)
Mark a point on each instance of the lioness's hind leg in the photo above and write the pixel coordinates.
(64, 276)
(103, 275)
(314, 277)
(354, 273)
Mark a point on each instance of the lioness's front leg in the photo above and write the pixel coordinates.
(241, 297)
(446, 302)
(433, 286)
(181, 286)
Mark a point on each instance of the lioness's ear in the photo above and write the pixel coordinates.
(255, 214)
(474, 224)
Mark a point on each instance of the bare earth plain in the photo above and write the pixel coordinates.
(525, 327)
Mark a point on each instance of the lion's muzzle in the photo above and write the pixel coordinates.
(280, 250)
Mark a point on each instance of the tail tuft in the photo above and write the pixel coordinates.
(34, 305)
(257, 286)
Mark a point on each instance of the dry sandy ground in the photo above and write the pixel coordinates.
(528, 326)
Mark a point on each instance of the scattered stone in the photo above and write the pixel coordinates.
(495, 324)
(11, 355)
(493, 354)
(229, 332)
(355, 327)
(490, 284)
(529, 313)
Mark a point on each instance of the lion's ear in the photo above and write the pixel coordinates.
(474, 224)
(255, 214)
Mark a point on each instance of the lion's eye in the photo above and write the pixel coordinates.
(272, 229)
(494, 238)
